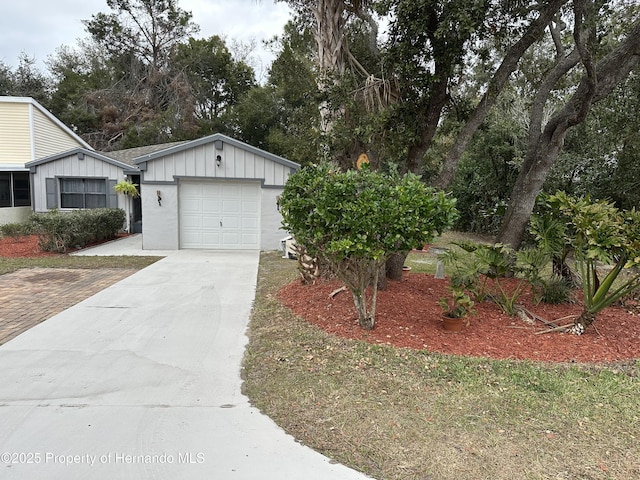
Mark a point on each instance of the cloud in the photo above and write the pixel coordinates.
(39, 27)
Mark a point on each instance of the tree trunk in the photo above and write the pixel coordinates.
(528, 184)
(562, 270)
(382, 277)
(543, 149)
(430, 121)
(364, 318)
(496, 85)
(329, 36)
(366, 314)
(307, 265)
(394, 265)
(581, 324)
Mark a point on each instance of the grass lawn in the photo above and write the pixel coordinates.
(409, 414)
(8, 265)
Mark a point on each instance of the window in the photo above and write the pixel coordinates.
(14, 189)
(83, 193)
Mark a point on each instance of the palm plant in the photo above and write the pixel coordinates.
(603, 235)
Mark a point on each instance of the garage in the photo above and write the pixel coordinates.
(212, 193)
(219, 215)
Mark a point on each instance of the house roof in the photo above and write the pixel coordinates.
(129, 155)
(49, 115)
(215, 138)
(130, 158)
(83, 151)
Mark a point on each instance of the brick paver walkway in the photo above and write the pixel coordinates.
(31, 295)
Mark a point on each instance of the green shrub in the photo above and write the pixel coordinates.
(482, 270)
(61, 231)
(16, 229)
(555, 290)
(355, 220)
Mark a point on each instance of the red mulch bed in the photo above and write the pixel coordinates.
(408, 315)
(27, 247)
(22, 247)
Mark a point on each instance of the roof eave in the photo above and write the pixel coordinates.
(211, 139)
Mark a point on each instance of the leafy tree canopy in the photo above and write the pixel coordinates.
(148, 29)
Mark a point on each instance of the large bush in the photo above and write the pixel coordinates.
(61, 231)
(355, 220)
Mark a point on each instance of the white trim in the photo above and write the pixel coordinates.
(13, 167)
(32, 137)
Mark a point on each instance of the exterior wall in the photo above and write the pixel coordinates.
(72, 166)
(15, 134)
(49, 138)
(160, 226)
(200, 161)
(14, 214)
(271, 221)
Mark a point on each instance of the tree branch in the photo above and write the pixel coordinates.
(496, 85)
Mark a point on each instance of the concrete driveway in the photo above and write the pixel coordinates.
(142, 381)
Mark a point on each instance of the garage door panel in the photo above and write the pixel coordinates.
(191, 239)
(231, 206)
(210, 222)
(211, 238)
(230, 239)
(233, 190)
(191, 204)
(219, 214)
(191, 189)
(229, 222)
(191, 221)
(249, 207)
(211, 205)
(209, 190)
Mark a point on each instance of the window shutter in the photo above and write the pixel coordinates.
(52, 193)
(112, 196)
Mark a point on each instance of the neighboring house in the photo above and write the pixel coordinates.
(214, 192)
(27, 132)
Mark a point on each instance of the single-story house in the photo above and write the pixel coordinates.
(28, 131)
(214, 193)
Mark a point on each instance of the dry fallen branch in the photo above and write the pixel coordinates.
(337, 291)
(561, 327)
(532, 316)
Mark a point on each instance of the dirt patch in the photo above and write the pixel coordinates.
(408, 315)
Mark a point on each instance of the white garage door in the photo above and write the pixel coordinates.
(222, 215)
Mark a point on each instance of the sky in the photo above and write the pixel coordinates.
(39, 27)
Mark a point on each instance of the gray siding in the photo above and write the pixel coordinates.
(71, 166)
(200, 162)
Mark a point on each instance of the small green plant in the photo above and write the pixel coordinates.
(555, 290)
(457, 305)
(553, 235)
(127, 188)
(467, 270)
(482, 270)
